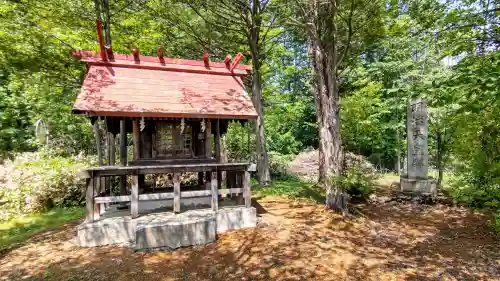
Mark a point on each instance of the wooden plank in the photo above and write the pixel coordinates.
(215, 195)
(112, 199)
(176, 161)
(156, 196)
(177, 193)
(247, 193)
(230, 191)
(89, 201)
(195, 193)
(134, 198)
(136, 139)
(161, 169)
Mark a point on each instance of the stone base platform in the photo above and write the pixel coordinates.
(419, 186)
(158, 230)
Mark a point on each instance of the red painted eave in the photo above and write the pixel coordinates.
(122, 89)
(164, 63)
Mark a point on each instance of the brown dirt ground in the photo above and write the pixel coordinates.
(294, 241)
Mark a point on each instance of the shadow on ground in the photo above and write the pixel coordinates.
(293, 241)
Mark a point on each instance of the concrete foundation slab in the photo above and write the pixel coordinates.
(420, 186)
(165, 229)
(236, 218)
(174, 231)
(106, 232)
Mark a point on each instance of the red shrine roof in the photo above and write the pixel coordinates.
(134, 86)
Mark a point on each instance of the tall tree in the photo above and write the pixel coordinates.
(334, 30)
(250, 23)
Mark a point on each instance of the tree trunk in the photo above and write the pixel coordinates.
(263, 174)
(328, 119)
(262, 159)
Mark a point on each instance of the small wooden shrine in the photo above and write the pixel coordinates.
(174, 111)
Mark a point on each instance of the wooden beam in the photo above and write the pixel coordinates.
(230, 191)
(112, 149)
(247, 193)
(218, 156)
(163, 169)
(89, 201)
(208, 139)
(156, 196)
(177, 193)
(112, 199)
(134, 198)
(97, 136)
(195, 193)
(123, 154)
(215, 194)
(146, 136)
(136, 139)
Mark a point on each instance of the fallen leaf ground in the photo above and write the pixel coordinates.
(293, 241)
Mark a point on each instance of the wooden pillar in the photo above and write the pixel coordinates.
(218, 158)
(99, 184)
(146, 149)
(123, 155)
(134, 197)
(214, 192)
(208, 139)
(111, 162)
(112, 149)
(247, 193)
(97, 136)
(136, 139)
(146, 141)
(89, 200)
(208, 150)
(177, 193)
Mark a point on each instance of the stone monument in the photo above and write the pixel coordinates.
(416, 180)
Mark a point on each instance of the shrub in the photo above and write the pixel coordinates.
(495, 223)
(43, 180)
(476, 191)
(357, 182)
(278, 165)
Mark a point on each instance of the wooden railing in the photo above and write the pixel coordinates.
(93, 175)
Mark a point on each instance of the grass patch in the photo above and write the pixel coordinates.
(292, 188)
(19, 229)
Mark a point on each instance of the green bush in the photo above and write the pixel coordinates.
(278, 164)
(495, 223)
(357, 183)
(42, 181)
(476, 191)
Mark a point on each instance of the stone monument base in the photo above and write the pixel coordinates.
(419, 186)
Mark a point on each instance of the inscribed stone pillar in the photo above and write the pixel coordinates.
(418, 154)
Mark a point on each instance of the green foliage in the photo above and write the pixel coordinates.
(356, 182)
(495, 223)
(239, 142)
(292, 188)
(278, 164)
(21, 228)
(44, 181)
